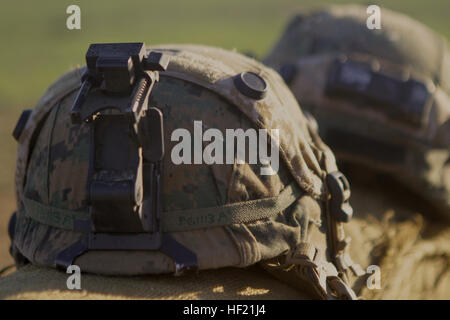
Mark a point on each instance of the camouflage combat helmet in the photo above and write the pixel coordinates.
(381, 97)
(97, 184)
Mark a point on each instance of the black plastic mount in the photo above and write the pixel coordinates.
(127, 136)
(127, 149)
(119, 76)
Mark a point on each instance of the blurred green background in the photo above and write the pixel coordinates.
(36, 46)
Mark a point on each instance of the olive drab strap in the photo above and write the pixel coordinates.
(173, 221)
(127, 148)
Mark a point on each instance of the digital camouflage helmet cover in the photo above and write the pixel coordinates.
(381, 97)
(97, 185)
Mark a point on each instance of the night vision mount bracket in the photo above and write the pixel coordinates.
(127, 148)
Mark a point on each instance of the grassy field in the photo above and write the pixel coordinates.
(36, 46)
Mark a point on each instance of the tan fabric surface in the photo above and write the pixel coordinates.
(33, 282)
(411, 249)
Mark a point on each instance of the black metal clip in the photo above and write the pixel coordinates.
(340, 193)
